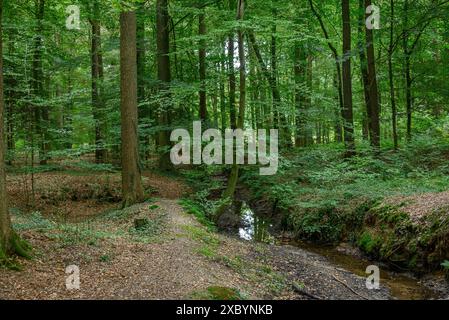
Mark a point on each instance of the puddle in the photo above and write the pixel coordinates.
(254, 227)
(404, 287)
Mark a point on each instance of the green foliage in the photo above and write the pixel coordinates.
(194, 208)
(369, 243)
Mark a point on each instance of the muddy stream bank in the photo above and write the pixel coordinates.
(257, 227)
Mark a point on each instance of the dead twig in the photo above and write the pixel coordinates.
(352, 290)
(299, 290)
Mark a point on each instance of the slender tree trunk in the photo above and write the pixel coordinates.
(276, 95)
(232, 81)
(348, 124)
(233, 178)
(10, 101)
(309, 83)
(222, 92)
(202, 67)
(337, 111)
(364, 69)
(97, 82)
(300, 99)
(338, 83)
(131, 176)
(391, 78)
(374, 120)
(164, 77)
(274, 72)
(38, 77)
(407, 71)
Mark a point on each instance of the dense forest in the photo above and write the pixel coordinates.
(356, 93)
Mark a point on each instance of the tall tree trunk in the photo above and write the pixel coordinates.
(164, 77)
(10, 101)
(274, 72)
(222, 90)
(38, 78)
(141, 51)
(145, 112)
(202, 67)
(364, 69)
(309, 83)
(97, 83)
(131, 177)
(276, 95)
(233, 178)
(391, 78)
(5, 221)
(337, 110)
(407, 71)
(10, 243)
(374, 120)
(338, 83)
(348, 124)
(232, 81)
(300, 100)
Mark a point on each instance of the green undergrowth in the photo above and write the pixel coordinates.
(206, 195)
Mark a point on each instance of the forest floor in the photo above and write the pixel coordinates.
(172, 257)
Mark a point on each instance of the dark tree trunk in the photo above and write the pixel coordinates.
(391, 78)
(285, 134)
(364, 69)
(338, 83)
(374, 121)
(131, 177)
(232, 82)
(5, 221)
(202, 67)
(10, 101)
(233, 178)
(10, 243)
(37, 80)
(222, 91)
(164, 77)
(300, 69)
(97, 82)
(348, 124)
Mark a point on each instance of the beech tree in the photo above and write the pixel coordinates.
(10, 243)
(131, 176)
(348, 122)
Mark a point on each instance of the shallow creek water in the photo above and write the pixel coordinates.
(402, 286)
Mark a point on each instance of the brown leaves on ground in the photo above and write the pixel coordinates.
(418, 206)
(75, 197)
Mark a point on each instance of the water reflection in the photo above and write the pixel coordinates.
(253, 227)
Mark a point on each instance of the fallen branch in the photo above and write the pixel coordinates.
(352, 290)
(299, 290)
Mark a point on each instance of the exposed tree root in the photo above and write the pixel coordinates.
(17, 247)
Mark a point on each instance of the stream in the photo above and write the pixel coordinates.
(402, 286)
